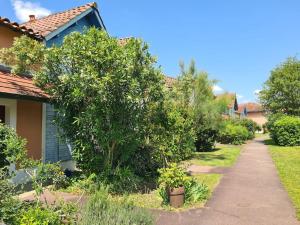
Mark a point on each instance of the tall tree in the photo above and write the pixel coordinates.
(198, 99)
(281, 92)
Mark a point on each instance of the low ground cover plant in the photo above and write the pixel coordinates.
(102, 209)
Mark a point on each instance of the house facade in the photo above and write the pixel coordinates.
(25, 107)
(253, 111)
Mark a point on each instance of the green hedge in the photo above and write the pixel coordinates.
(250, 125)
(232, 134)
(285, 131)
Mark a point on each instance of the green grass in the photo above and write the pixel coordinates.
(260, 135)
(287, 161)
(153, 200)
(223, 155)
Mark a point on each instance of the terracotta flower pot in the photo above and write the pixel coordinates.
(176, 196)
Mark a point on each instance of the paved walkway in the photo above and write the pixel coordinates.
(250, 193)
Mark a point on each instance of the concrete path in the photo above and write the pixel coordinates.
(250, 193)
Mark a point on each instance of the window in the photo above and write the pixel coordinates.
(2, 114)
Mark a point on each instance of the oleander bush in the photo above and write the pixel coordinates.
(285, 131)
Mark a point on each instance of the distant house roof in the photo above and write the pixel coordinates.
(124, 41)
(231, 98)
(170, 81)
(20, 28)
(19, 86)
(46, 25)
(250, 107)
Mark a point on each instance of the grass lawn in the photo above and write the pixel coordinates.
(223, 155)
(154, 201)
(287, 161)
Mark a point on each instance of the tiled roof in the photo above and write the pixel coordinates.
(123, 41)
(20, 28)
(48, 24)
(169, 81)
(251, 107)
(19, 86)
(230, 97)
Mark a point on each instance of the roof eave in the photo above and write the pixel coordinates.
(24, 97)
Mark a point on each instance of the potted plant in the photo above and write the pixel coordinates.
(173, 179)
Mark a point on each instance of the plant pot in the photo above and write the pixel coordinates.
(176, 196)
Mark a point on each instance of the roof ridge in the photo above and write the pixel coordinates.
(91, 4)
(48, 24)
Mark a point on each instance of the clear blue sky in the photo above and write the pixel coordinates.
(236, 42)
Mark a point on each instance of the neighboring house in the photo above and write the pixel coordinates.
(253, 111)
(230, 104)
(23, 106)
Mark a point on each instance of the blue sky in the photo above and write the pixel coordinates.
(236, 42)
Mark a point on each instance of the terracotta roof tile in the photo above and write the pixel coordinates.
(170, 81)
(251, 107)
(21, 86)
(123, 41)
(48, 24)
(20, 28)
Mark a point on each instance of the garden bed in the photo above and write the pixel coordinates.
(152, 200)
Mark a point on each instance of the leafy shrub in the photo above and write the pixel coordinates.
(121, 180)
(10, 207)
(175, 138)
(51, 172)
(206, 139)
(195, 192)
(272, 118)
(82, 182)
(144, 162)
(102, 210)
(286, 131)
(12, 147)
(41, 216)
(173, 176)
(250, 125)
(233, 134)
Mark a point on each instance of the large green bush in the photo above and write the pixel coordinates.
(103, 93)
(285, 131)
(232, 134)
(102, 210)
